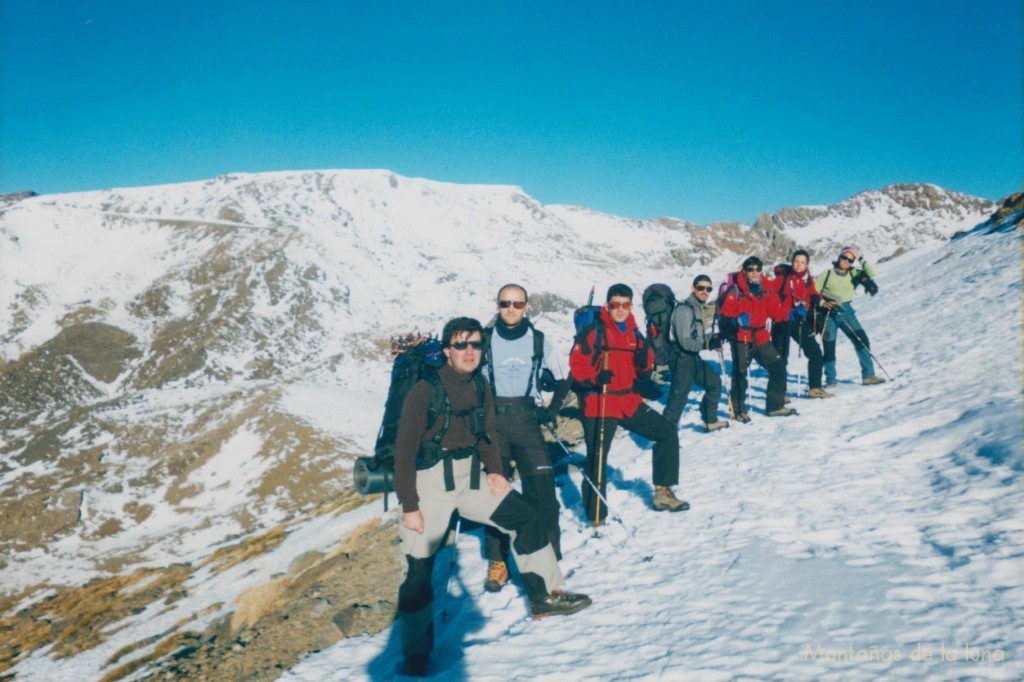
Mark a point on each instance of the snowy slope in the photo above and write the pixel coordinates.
(872, 522)
(888, 517)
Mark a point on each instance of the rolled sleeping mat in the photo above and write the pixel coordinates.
(371, 478)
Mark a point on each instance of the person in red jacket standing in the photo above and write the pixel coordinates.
(799, 299)
(605, 363)
(751, 304)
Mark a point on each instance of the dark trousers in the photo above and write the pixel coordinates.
(646, 423)
(803, 333)
(766, 355)
(521, 441)
(687, 370)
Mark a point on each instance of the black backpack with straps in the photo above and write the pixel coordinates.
(659, 301)
(416, 359)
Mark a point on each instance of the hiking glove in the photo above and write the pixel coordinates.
(645, 386)
(545, 416)
(714, 342)
(744, 319)
(604, 377)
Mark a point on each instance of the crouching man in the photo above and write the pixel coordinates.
(445, 448)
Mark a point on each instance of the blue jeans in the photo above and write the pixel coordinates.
(845, 318)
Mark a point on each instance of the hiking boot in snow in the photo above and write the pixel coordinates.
(558, 603)
(819, 393)
(415, 665)
(871, 381)
(666, 500)
(783, 412)
(716, 425)
(497, 576)
(743, 418)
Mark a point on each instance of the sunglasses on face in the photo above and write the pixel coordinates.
(753, 268)
(463, 345)
(703, 288)
(518, 305)
(615, 305)
(847, 259)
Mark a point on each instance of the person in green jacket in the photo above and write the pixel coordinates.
(836, 286)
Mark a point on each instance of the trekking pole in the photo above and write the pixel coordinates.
(728, 394)
(799, 356)
(451, 570)
(600, 445)
(570, 455)
(853, 331)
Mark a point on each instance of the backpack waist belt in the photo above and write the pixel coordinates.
(430, 455)
(514, 405)
(620, 391)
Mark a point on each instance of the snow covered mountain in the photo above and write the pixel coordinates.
(187, 371)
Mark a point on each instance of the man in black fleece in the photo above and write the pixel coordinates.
(438, 471)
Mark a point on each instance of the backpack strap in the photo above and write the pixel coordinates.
(538, 357)
(441, 407)
(488, 358)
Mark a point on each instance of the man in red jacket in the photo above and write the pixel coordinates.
(605, 363)
(751, 304)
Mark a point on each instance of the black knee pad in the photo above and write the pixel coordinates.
(516, 514)
(416, 592)
(830, 351)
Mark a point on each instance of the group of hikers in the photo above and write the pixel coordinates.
(462, 429)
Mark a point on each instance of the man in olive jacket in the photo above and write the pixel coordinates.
(837, 285)
(689, 336)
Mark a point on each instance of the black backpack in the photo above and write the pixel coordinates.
(659, 301)
(727, 326)
(416, 358)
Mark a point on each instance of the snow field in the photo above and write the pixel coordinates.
(832, 545)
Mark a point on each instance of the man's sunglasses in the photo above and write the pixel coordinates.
(615, 305)
(753, 268)
(518, 305)
(700, 288)
(463, 345)
(848, 259)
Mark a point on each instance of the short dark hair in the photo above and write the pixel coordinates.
(753, 260)
(701, 278)
(619, 290)
(457, 326)
(513, 285)
(800, 252)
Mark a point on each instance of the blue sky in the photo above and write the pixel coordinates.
(698, 110)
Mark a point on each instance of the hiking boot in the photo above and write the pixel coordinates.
(558, 603)
(716, 425)
(783, 412)
(831, 387)
(743, 418)
(415, 665)
(666, 500)
(819, 393)
(871, 381)
(497, 576)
